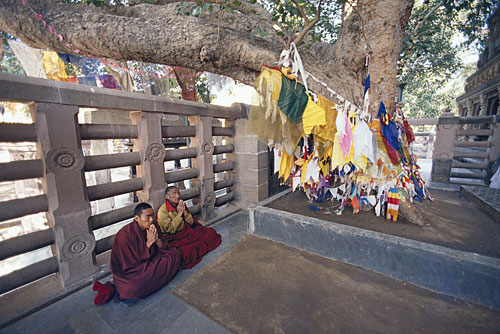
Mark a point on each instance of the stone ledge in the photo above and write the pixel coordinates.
(486, 199)
(468, 276)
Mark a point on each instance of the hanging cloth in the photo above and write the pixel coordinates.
(108, 81)
(345, 133)
(326, 131)
(390, 134)
(293, 99)
(286, 165)
(265, 119)
(393, 204)
(124, 79)
(31, 59)
(53, 65)
(313, 116)
(292, 58)
(89, 66)
(363, 141)
(410, 136)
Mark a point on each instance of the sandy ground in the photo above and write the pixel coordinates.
(455, 222)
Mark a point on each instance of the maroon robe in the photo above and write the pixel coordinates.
(137, 270)
(194, 240)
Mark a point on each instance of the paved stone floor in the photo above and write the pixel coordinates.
(160, 313)
(163, 312)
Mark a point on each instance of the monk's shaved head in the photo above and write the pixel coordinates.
(141, 207)
(170, 188)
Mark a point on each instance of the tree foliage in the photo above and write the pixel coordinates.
(431, 52)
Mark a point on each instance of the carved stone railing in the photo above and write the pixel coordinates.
(423, 146)
(471, 151)
(61, 165)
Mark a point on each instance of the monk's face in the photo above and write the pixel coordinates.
(145, 219)
(173, 196)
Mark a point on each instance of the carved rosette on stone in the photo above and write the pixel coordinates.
(77, 247)
(64, 160)
(208, 148)
(209, 200)
(155, 152)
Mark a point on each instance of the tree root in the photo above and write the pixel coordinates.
(409, 212)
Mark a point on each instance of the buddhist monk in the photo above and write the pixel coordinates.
(141, 262)
(183, 231)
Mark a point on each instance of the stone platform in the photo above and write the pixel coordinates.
(487, 199)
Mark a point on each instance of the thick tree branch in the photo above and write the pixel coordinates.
(223, 45)
(243, 8)
(177, 40)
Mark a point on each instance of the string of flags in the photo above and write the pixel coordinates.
(166, 71)
(335, 152)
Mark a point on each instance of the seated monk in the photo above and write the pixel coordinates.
(141, 262)
(183, 231)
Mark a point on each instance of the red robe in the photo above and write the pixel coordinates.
(194, 240)
(137, 270)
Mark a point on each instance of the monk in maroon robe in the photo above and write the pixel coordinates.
(183, 231)
(141, 262)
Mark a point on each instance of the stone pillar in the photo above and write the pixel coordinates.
(203, 161)
(443, 147)
(483, 101)
(151, 169)
(59, 147)
(469, 105)
(251, 173)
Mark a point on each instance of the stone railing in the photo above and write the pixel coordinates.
(423, 146)
(468, 150)
(61, 165)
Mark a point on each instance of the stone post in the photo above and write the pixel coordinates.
(483, 101)
(203, 161)
(443, 147)
(59, 147)
(151, 169)
(251, 173)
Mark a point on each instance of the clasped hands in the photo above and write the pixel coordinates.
(152, 236)
(181, 208)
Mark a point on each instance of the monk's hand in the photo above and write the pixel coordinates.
(151, 235)
(181, 207)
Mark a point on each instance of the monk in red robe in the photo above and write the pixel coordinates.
(141, 262)
(183, 231)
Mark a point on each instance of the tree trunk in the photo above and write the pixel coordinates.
(221, 43)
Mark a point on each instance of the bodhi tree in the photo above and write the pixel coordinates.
(236, 37)
(223, 40)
